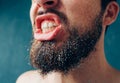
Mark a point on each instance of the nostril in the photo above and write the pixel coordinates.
(49, 3)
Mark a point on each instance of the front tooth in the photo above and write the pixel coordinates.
(50, 25)
(44, 25)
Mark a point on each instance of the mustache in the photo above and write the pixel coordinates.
(61, 15)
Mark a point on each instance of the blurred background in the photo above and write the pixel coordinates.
(16, 35)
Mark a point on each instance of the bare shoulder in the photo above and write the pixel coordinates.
(29, 77)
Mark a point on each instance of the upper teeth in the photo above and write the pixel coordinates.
(46, 26)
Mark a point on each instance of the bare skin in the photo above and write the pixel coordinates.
(95, 68)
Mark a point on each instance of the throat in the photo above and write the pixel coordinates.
(57, 77)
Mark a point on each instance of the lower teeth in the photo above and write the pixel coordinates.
(47, 30)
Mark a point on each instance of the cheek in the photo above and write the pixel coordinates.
(33, 12)
(31, 16)
(82, 12)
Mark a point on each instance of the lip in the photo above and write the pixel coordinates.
(38, 35)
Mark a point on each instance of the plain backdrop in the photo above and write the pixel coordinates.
(16, 36)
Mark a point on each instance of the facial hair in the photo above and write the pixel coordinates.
(47, 57)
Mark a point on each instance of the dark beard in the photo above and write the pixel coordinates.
(47, 57)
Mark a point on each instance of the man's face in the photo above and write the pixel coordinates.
(64, 33)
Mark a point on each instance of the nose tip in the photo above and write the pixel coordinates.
(46, 3)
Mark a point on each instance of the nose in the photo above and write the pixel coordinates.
(46, 3)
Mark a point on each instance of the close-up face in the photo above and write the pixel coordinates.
(65, 31)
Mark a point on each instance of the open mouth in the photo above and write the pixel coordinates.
(48, 26)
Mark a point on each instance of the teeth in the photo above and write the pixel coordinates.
(47, 26)
(44, 25)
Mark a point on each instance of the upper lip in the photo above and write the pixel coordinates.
(49, 16)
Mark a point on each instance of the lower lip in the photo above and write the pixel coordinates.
(38, 35)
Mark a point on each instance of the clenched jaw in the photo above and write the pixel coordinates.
(47, 27)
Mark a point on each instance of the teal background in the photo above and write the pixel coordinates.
(15, 39)
(16, 35)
